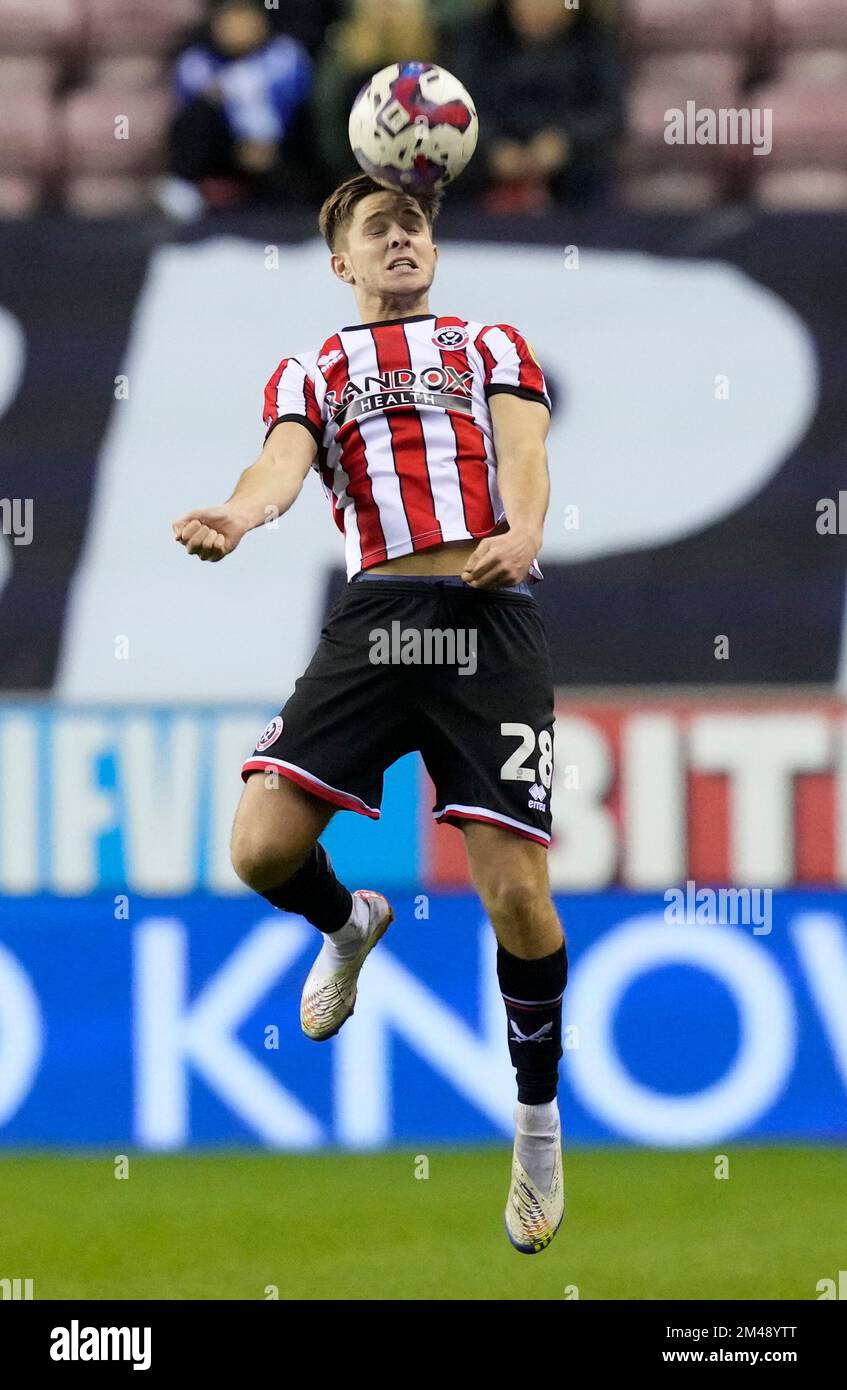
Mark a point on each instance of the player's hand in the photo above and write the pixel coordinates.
(210, 532)
(500, 561)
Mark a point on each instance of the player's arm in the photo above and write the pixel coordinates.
(520, 432)
(265, 490)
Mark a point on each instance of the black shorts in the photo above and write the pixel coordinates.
(461, 675)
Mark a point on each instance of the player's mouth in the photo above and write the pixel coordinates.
(403, 263)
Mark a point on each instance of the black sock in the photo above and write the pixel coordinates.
(315, 893)
(532, 992)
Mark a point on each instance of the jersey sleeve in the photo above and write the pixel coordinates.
(290, 395)
(510, 365)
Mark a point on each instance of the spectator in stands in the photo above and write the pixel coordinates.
(242, 133)
(546, 81)
(449, 14)
(308, 20)
(376, 33)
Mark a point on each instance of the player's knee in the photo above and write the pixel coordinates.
(518, 900)
(260, 864)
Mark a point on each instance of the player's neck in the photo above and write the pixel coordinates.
(378, 310)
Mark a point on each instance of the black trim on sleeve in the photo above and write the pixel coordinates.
(316, 434)
(522, 391)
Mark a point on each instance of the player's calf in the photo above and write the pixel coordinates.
(351, 923)
(272, 854)
(532, 994)
(511, 876)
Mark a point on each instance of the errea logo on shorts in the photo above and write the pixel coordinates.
(537, 798)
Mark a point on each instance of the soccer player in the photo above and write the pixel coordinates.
(428, 434)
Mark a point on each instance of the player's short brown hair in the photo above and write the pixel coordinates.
(339, 206)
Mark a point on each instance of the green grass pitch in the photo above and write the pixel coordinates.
(639, 1225)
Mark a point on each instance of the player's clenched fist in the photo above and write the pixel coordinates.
(210, 532)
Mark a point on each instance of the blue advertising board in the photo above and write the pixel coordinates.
(171, 1023)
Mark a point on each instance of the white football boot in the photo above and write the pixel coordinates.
(535, 1207)
(329, 994)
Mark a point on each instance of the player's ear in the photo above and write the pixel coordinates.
(341, 269)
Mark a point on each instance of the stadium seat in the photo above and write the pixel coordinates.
(810, 23)
(819, 189)
(810, 130)
(40, 26)
(726, 25)
(129, 71)
(88, 122)
(666, 82)
(814, 65)
(19, 195)
(94, 195)
(126, 26)
(27, 73)
(670, 191)
(28, 139)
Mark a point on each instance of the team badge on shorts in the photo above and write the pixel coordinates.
(270, 734)
(451, 339)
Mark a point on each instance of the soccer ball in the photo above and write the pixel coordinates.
(413, 127)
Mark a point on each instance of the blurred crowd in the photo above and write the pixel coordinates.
(118, 106)
(265, 95)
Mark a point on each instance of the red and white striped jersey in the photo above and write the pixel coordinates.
(400, 414)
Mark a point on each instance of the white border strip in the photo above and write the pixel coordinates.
(493, 815)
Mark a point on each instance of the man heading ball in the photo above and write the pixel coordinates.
(428, 434)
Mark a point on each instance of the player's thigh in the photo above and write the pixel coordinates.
(275, 827)
(349, 716)
(510, 874)
(487, 735)
(506, 869)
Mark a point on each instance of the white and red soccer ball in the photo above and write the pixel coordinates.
(414, 127)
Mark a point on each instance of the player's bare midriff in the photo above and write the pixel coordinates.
(449, 558)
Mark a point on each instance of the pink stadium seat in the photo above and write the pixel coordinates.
(27, 73)
(128, 71)
(670, 191)
(814, 65)
(138, 26)
(809, 125)
(93, 195)
(89, 124)
(679, 24)
(810, 23)
(40, 26)
(821, 189)
(666, 82)
(28, 139)
(19, 195)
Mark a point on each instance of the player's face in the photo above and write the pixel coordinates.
(388, 250)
